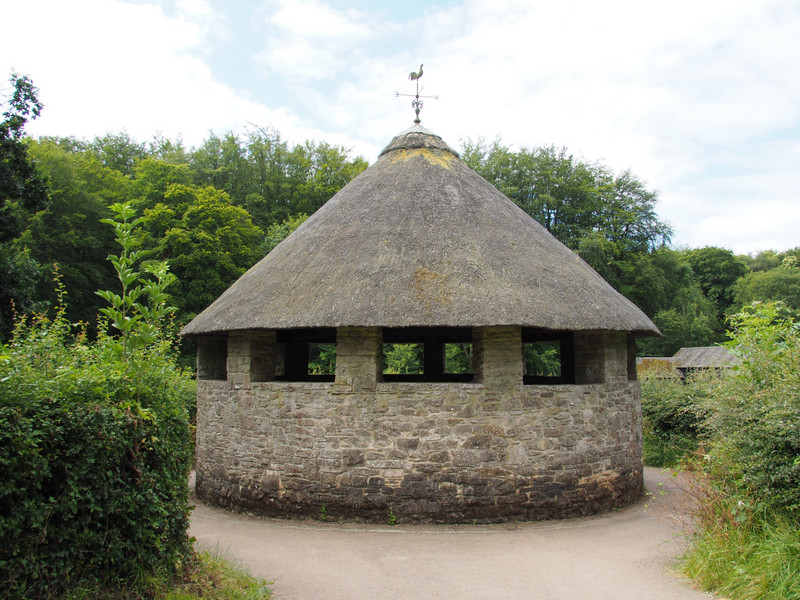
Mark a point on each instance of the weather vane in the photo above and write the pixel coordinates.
(416, 103)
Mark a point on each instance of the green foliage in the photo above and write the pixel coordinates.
(403, 359)
(673, 416)
(322, 359)
(542, 359)
(716, 270)
(21, 183)
(779, 284)
(744, 552)
(208, 242)
(18, 285)
(272, 181)
(22, 191)
(66, 233)
(755, 414)
(573, 199)
(458, 358)
(277, 232)
(97, 448)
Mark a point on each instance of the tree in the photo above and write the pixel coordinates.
(23, 191)
(273, 182)
(779, 284)
(573, 199)
(277, 232)
(66, 232)
(118, 151)
(21, 184)
(716, 270)
(208, 242)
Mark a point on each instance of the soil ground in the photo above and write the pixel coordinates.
(622, 555)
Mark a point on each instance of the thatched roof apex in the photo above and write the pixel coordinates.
(420, 239)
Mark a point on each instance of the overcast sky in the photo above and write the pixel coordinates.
(699, 98)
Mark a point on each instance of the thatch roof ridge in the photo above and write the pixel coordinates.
(420, 239)
(417, 136)
(705, 357)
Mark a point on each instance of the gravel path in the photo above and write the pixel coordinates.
(616, 556)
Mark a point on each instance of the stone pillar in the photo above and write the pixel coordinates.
(359, 358)
(601, 356)
(497, 353)
(252, 356)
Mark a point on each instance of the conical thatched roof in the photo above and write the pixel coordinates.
(420, 239)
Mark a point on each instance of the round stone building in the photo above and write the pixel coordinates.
(419, 249)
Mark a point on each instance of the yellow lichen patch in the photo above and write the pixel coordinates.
(438, 158)
(430, 287)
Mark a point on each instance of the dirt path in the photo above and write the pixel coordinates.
(617, 556)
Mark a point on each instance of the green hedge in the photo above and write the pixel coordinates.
(94, 458)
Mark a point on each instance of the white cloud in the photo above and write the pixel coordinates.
(308, 40)
(692, 97)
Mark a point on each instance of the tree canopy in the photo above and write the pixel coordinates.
(214, 210)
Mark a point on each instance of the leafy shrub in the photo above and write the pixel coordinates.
(96, 445)
(755, 414)
(672, 411)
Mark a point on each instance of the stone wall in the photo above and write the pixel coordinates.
(444, 452)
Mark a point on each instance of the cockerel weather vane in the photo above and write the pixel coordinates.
(416, 103)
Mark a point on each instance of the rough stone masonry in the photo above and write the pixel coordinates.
(490, 450)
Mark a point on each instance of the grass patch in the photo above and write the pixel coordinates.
(206, 577)
(666, 448)
(746, 556)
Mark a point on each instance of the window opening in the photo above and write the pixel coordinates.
(306, 354)
(427, 354)
(548, 357)
(403, 359)
(458, 359)
(321, 359)
(212, 358)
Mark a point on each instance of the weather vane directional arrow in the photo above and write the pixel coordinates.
(416, 103)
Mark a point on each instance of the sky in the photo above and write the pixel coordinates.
(700, 99)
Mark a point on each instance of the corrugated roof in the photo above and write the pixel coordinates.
(420, 239)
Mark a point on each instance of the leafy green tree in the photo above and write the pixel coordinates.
(277, 232)
(22, 186)
(716, 270)
(153, 178)
(403, 359)
(118, 151)
(779, 284)
(763, 261)
(272, 181)
(573, 199)
(208, 242)
(23, 191)
(66, 232)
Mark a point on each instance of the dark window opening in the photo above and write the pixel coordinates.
(548, 356)
(631, 358)
(427, 354)
(306, 354)
(212, 358)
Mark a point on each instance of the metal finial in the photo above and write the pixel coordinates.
(416, 104)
